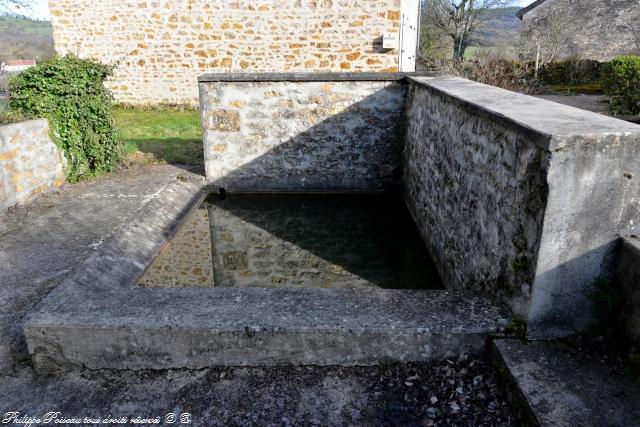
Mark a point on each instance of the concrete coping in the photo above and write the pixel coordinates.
(551, 125)
(306, 77)
(34, 122)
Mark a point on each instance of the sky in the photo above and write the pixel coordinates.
(40, 9)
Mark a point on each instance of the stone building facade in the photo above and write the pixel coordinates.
(162, 46)
(581, 29)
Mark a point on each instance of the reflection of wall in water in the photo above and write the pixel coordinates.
(264, 240)
(186, 260)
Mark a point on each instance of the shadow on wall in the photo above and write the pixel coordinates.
(554, 310)
(309, 142)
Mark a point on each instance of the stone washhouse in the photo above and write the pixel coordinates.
(522, 203)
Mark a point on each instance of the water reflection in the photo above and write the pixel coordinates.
(312, 240)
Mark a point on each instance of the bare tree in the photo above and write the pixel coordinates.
(460, 19)
(16, 3)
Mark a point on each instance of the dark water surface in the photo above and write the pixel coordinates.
(298, 240)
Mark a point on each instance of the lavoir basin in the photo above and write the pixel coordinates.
(296, 240)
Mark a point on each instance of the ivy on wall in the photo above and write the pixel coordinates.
(70, 92)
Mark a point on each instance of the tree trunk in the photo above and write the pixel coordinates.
(459, 46)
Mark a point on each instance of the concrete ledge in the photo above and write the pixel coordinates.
(558, 385)
(306, 77)
(142, 329)
(550, 125)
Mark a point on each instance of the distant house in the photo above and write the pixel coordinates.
(580, 29)
(18, 65)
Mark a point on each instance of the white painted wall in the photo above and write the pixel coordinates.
(409, 25)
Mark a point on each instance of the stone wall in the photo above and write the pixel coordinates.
(582, 29)
(30, 164)
(161, 47)
(290, 133)
(520, 197)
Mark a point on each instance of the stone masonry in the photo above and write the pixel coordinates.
(520, 197)
(30, 164)
(279, 135)
(581, 29)
(162, 46)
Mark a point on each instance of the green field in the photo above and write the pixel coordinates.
(477, 52)
(22, 38)
(28, 26)
(172, 136)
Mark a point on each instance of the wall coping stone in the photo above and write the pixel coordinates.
(550, 125)
(24, 122)
(307, 77)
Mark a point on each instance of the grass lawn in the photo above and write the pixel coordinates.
(172, 136)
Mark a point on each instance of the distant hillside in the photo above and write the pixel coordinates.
(500, 27)
(23, 38)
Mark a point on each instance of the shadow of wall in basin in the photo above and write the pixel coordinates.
(333, 241)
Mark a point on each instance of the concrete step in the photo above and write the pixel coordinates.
(260, 327)
(553, 383)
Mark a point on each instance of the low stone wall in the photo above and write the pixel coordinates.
(30, 164)
(520, 197)
(302, 132)
(628, 274)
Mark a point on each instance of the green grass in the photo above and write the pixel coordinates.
(473, 52)
(27, 25)
(585, 89)
(172, 136)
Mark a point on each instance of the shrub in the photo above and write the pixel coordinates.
(70, 92)
(8, 117)
(570, 72)
(621, 81)
(507, 74)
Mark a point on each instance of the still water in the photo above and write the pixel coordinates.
(296, 240)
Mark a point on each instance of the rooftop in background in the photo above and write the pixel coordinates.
(20, 62)
(17, 65)
(532, 6)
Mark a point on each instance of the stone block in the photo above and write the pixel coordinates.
(222, 120)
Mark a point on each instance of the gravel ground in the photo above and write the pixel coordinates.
(459, 392)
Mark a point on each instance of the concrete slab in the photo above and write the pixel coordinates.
(555, 384)
(98, 318)
(43, 242)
